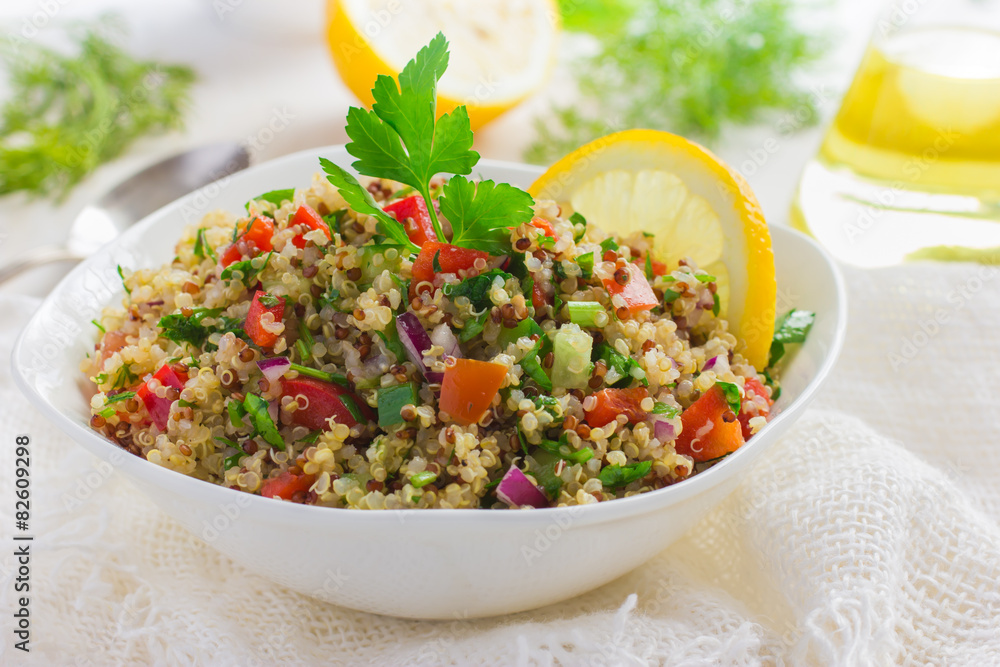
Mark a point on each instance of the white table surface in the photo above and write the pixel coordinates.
(256, 61)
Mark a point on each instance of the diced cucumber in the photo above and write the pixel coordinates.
(526, 327)
(571, 365)
(390, 259)
(391, 401)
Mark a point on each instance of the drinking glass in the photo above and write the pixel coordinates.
(910, 166)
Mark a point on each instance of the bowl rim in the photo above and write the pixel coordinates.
(201, 491)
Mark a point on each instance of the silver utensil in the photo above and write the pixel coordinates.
(133, 199)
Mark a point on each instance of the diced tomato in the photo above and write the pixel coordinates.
(613, 402)
(541, 293)
(286, 485)
(159, 408)
(756, 403)
(544, 225)
(709, 428)
(257, 232)
(659, 268)
(636, 292)
(311, 220)
(412, 212)
(325, 400)
(450, 258)
(468, 389)
(263, 303)
(112, 342)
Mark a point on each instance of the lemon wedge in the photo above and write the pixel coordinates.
(502, 51)
(698, 207)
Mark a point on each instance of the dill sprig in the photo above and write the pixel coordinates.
(687, 66)
(70, 112)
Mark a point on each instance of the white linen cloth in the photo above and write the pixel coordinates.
(868, 536)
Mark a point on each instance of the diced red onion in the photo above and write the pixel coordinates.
(516, 490)
(710, 364)
(274, 367)
(706, 301)
(414, 339)
(443, 336)
(663, 430)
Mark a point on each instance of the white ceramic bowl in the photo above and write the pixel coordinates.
(412, 563)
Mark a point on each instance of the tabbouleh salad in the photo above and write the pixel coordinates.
(422, 341)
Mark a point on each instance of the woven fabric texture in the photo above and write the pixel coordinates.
(867, 536)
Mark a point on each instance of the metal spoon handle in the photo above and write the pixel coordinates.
(34, 258)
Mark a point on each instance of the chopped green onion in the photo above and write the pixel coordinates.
(98, 325)
(584, 313)
(566, 452)
(118, 398)
(353, 408)
(716, 305)
(669, 296)
(705, 278)
(233, 461)
(334, 378)
(421, 479)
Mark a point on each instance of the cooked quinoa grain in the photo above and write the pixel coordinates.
(324, 364)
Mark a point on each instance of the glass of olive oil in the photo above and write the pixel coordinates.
(910, 166)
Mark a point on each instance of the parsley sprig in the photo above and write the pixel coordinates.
(401, 138)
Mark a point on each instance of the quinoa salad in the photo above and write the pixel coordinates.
(425, 341)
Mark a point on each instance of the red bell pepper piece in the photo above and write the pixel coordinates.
(325, 400)
(256, 232)
(613, 402)
(468, 388)
(263, 303)
(159, 408)
(636, 292)
(311, 220)
(286, 485)
(709, 428)
(542, 292)
(450, 258)
(412, 212)
(756, 404)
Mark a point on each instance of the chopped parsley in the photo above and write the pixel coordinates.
(202, 249)
(792, 327)
(256, 407)
(476, 290)
(188, 329)
(734, 398)
(246, 269)
(669, 411)
(612, 476)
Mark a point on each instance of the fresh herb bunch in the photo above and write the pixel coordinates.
(687, 66)
(69, 113)
(401, 138)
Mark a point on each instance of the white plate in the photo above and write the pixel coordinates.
(414, 563)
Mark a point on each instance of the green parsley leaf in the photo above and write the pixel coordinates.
(361, 201)
(480, 213)
(246, 268)
(586, 264)
(399, 137)
(734, 398)
(190, 329)
(473, 327)
(276, 197)
(705, 278)
(792, 327)
(232, 461)
(236, 412)
(436, 262)
(256, 407)
(476, 290)
(669, 296)
(612, 476)
(669, 411)
(609, 244)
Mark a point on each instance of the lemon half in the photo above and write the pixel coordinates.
(698, 207)
(502, 51)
